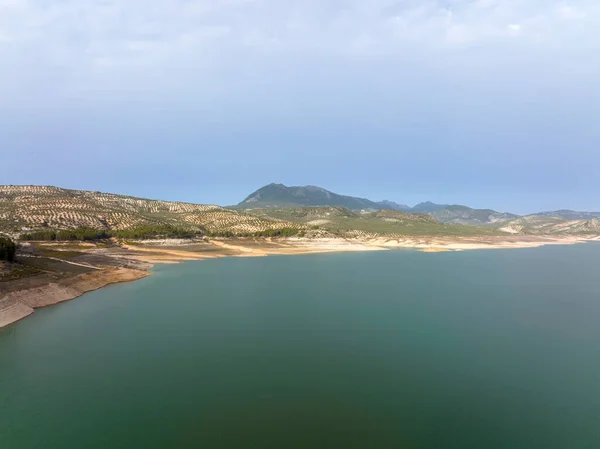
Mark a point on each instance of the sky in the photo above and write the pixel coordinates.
(488, 103)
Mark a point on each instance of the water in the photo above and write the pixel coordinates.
(398, 349)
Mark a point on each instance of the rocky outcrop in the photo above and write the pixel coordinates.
(12, 310)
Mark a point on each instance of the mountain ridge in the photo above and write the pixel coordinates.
(279, 195)
(39, 208)
(391, 205)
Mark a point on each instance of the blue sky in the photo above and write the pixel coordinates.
(490, 103)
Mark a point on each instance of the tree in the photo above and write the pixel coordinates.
(7, 249)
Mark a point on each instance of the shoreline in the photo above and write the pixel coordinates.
(132, 262)
(19, 304)
(156, 253)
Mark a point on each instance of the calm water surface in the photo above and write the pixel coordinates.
(398, 349)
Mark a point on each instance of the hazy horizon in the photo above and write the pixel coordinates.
(486, 103)
(162, 198)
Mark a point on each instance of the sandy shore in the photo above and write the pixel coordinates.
(440, 244)
(217, 248)
(20, 301)
(253, 248)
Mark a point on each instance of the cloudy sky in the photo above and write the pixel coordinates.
(481, 102)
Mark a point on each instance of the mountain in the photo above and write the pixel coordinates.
(281, 196)
(427, 207)
(390, 205)
(465, 215)
(278, 195)
(570, 214)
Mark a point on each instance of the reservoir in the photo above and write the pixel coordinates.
(396, 349)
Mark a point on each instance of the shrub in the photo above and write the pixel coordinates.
(283, 232)
(7, 249)
(157, 231)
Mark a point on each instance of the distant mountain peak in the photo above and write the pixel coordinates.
(427, 207)
(391, 205)
(279, 195)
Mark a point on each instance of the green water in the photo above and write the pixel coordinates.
(398, 349)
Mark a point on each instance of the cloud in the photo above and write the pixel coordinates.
(76, 45)
(514, 28)
(418, 86)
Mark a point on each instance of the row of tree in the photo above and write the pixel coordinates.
(145, 233)
(283, 232)
(91, 234)
(82, 234)
(159, 231)
(7, 249)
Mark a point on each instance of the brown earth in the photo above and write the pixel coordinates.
(21, 302)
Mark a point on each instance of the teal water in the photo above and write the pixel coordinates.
(398, 349)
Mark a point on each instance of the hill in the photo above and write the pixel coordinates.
(570, 214)
(278, 195)
(549, 225)
(348, 223)
(465, 215)
(27, 208)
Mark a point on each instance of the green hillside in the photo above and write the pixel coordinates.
(465, 215)
(339, 220)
